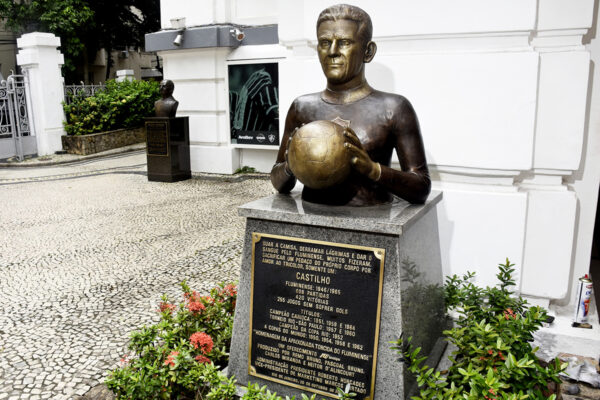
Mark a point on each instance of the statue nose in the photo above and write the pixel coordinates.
(333, 49)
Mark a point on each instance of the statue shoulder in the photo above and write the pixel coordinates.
(307, 102)
(391, 100)
(395, 104)
(305, 99)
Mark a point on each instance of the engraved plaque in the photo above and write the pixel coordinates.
(315, 313)
(157, 142)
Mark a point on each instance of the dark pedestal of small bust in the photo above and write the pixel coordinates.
(168, 149)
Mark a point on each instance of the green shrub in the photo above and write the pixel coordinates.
(245, 170)
(120, 105)
(494, 359)
(180, 356)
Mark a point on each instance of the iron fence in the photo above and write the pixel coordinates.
(73, 92)
(16, 133)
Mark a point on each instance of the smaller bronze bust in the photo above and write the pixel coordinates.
(167, 106)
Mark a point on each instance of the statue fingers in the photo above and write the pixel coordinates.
(356, 151)
(289, 141)
(370, 169)
(293, 133)
(361, 165)
(350, 131)
(351, 137)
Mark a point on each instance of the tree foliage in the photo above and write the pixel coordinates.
(84, 26)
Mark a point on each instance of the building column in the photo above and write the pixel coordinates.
(41, 62)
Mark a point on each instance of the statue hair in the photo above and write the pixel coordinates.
(168, 83)
(352, 13)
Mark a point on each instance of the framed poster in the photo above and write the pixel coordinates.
(254, 103)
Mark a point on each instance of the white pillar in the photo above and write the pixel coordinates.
(41, 62)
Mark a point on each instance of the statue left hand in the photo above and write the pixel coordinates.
(360, 160)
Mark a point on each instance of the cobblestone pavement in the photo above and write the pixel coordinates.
(86, 251)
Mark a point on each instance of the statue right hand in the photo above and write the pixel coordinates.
(359, 158)
(352, 138)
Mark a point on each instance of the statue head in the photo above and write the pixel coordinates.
(344, 35)
(166, 88)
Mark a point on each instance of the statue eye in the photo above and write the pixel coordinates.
(345, 42)
(325, 43)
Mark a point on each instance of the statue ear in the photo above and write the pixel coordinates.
(370, 52)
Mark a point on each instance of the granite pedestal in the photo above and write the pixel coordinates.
(168, 149)
(409, 297)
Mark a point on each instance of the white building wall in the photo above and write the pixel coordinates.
(585, 181)
(501, 89)
(199, 78)
(205, 12)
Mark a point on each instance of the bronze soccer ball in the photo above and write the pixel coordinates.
(316, 155)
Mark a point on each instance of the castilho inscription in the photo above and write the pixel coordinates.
(315, 314)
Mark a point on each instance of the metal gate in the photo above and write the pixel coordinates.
(17, 137)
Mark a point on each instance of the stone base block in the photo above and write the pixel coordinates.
(97, 142)
(293, 348)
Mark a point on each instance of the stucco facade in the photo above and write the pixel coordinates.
(507, 97)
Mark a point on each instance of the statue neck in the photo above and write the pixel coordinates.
(346, 96)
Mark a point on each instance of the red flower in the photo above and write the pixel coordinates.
(164, 306)
(196, 307)
(171, 358)
(202, 359)
(229, 290)
(195, 304)
(509, 313)
(490, 352)
(203, 341)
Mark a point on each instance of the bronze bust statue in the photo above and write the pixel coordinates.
(375, 123)
(167, 105)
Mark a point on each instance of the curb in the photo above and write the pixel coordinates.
(20, 164)
(230, 178)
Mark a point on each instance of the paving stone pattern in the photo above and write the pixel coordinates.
(87, 250)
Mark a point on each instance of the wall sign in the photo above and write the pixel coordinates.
(254, 104)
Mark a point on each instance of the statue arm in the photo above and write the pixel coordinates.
(412, 183)
(281, 177)
(413, 187)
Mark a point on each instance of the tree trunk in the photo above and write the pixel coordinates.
(108, 62)
(86, 67)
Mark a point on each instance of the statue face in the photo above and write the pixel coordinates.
(166, 89)
(341, 52)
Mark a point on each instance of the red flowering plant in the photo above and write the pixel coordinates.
(493, 359)
(181, 356)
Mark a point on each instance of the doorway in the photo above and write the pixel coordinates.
(595, 261)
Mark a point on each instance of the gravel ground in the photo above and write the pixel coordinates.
(86, 251)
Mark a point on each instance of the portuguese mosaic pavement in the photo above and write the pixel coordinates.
(86, 251)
